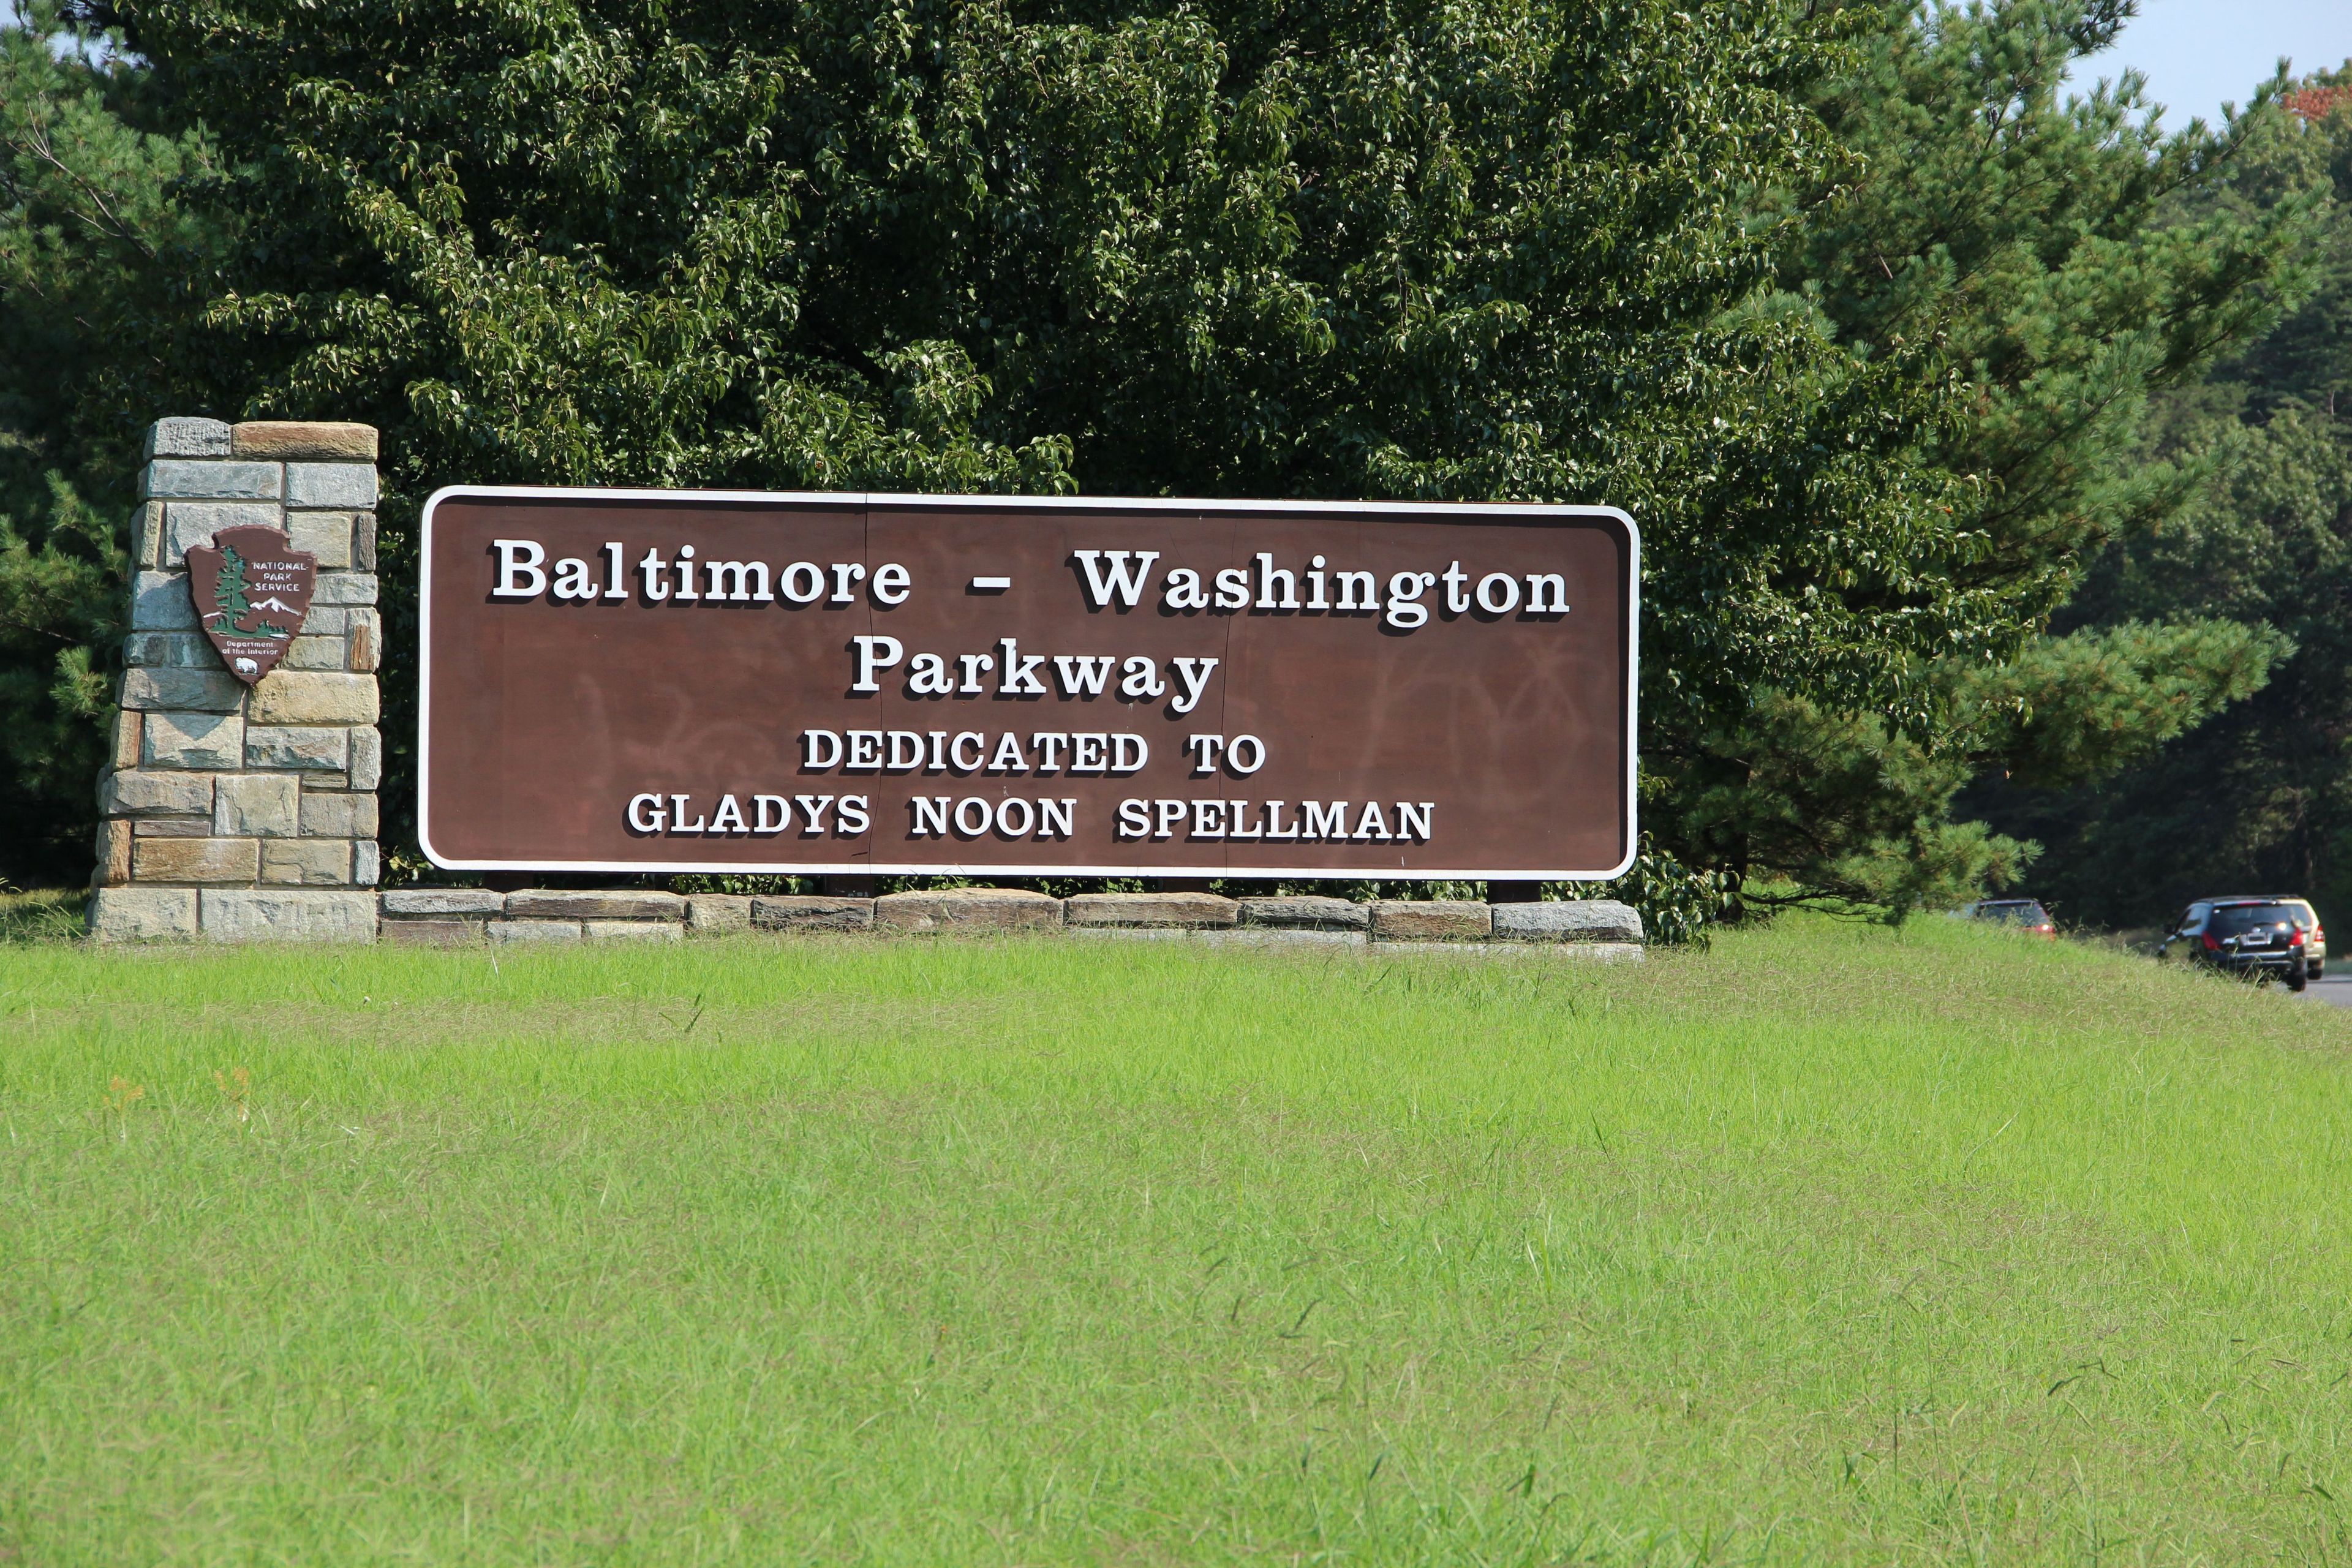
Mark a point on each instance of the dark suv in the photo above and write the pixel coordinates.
(2258, 936)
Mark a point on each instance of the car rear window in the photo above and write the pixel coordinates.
(2236, 920)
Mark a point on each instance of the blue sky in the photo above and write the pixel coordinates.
(2197, 54)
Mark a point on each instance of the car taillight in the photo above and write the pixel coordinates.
(2211, 946)
(2047, 928)
(2296, 940)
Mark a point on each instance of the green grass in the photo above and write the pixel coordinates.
(1833, 1245)
(43, 915)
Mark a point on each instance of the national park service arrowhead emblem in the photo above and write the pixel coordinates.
(252, 588)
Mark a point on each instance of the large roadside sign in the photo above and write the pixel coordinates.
(640, 680)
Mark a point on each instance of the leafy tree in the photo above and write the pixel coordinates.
(2034, 244)
(1840, 302)
(2262, 798)
(98, 263)
(1503, 249)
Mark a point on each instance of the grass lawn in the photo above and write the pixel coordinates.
(1831, 1245)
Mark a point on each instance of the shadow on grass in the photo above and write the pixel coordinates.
(45, 914)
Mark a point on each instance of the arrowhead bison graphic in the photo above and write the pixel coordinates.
(252, 589)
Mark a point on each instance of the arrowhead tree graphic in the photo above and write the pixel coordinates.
(252, 589)
(228, 584)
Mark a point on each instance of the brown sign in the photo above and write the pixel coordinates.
(686, 682)
(252, 589)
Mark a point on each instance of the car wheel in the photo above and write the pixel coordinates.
(2296, 980)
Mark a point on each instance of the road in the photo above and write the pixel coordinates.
(2336, 988)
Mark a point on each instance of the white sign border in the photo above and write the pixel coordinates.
(1499, 509)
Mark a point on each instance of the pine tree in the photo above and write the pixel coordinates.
(228, 586)
(2260, 800)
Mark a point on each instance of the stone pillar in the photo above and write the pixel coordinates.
(236, 812)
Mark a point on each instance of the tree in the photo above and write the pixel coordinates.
(1804, 288)
(2037, 246)
(98, 263)
(2262, 798)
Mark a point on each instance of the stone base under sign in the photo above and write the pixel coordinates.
(1597, 928)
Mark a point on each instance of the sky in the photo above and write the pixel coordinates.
(2198, 54)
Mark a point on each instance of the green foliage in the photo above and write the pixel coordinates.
(2037, 246)
(61, 571)
(1840, 303)
(97, 263)
(2262, 798)
(1490, 252)
(2076, 710)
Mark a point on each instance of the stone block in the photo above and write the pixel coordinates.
(367, 863)
(197, 690)
(146, 534)
(258, 806)
(335, 815)
(348, 486)
(364, 541)
(325, 534)
(364, 639)
(141, 794)
(187, 524)
(315, 653)
(1519, 951)
(613, 904)
(315, 750)
(114, 854)
(531, 930)
(215, 740)
(409, 901)
(1291, 937)
(172, 827)
(168, 479)
(345, 588)
(433, 932)
(324, 622)
(307, 862)
(142, 915)
(716, 914)
(313, 697)
(1433, 920)
(160, 603)
(632, 931)
(187, 439)
(367, 758)
(1195, 910)
(1274, 937)
(1572, 920)
(287, 914)
(967, 909)
(129, 735)
(195, 860)
(169, 650)
(285, 440)
(811, 912)
(1307, 912)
